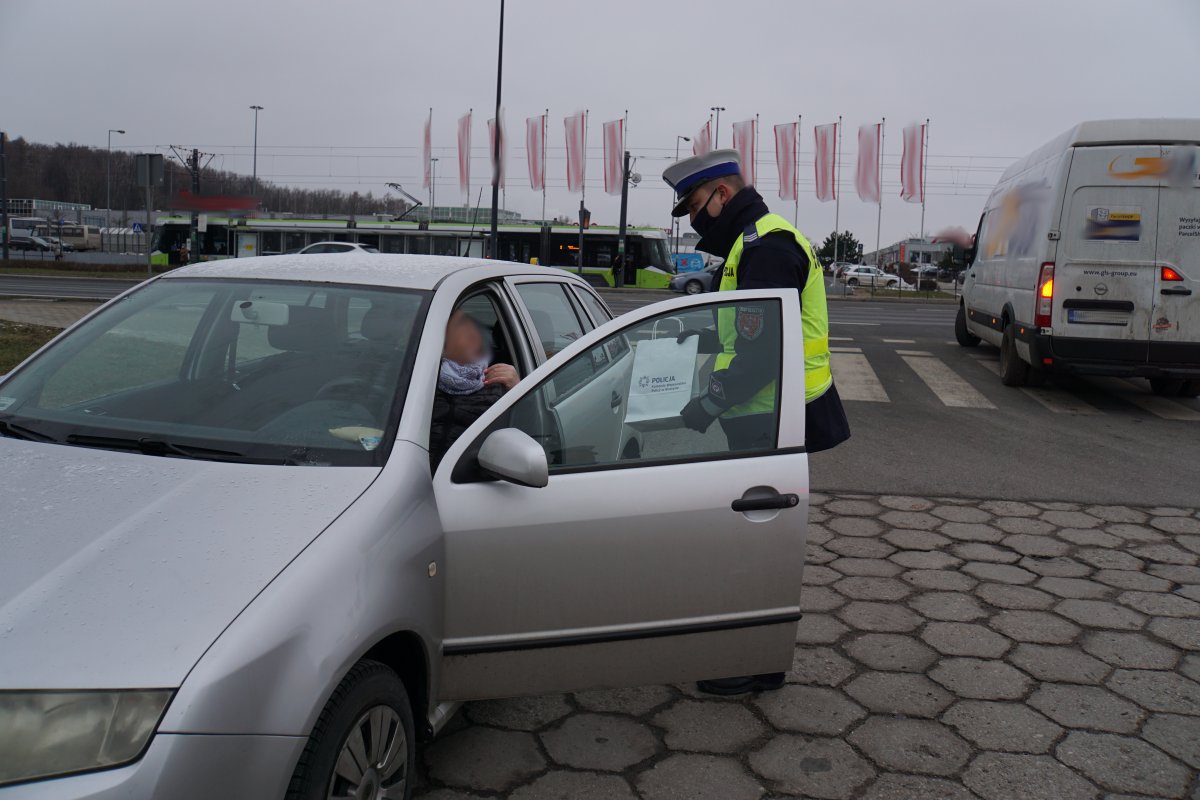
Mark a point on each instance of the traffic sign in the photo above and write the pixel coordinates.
(137, 227)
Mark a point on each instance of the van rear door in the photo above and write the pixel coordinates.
(1104, 281)
(1175, 321)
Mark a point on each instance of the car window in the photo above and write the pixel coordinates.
(619, 403)
(482, 306)
(594, 307)
(552, 314)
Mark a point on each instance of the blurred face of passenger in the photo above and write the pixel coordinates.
(464, 342)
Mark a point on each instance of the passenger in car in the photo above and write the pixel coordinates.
(467, 385)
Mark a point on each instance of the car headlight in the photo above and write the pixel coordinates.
(43, 734)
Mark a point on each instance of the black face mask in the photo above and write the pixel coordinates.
(704, 222)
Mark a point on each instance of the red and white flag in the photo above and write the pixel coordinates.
(703, 141)
(614, 155)
(745, 141)
(535, 151)
(825, 137)
(866, 175)
(427, 151)
(498, 176)
(912, 164)
(464, 153)
(576, 126)
(786, 139)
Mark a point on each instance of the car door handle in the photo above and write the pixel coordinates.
(767, 503)
(615, 400)
(1177, 290)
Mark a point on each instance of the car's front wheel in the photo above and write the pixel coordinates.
(363, 745)
(693, 287)
(853, 281)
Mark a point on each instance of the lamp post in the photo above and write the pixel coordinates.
(717, 133)
(108, 180)
(254, 171)
(432, 186)
(675, 220)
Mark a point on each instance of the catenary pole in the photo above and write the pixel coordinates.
(493, 249)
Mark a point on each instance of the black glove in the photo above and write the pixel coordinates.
(710, 342)
(697, 414)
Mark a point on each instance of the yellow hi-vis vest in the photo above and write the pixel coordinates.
(815, 322)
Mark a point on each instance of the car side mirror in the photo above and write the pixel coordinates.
(513, 456)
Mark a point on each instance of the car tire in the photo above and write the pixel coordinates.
(370, 694)
(961, 332)
(1190, 388)
(1167, 387)
(693, 287)
(852, 282)
(1013, 371)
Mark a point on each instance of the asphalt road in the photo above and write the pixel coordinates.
(930, 418)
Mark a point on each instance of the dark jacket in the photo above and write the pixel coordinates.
(454, 413)
(776, 261)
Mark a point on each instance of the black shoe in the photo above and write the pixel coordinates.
(747, 683)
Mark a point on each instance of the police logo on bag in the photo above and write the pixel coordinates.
(749, 323)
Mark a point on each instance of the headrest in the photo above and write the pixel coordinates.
(307, 328)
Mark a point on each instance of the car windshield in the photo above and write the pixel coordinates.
(255, 371)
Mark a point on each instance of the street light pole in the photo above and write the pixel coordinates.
(494, 249)
(254, 172)
(432, 186)
(717, 133)
(675, 220)
(108, 180)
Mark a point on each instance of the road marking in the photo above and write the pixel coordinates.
(914, 353)
(899, 341)
(1059, 402)
(991, 366)
(952, 390)
(840, 322)
(841, 338)
(845, 349)
(855, 378)
(1158, 406)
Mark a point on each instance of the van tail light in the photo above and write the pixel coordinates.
(1044, 303)
(1169, 274)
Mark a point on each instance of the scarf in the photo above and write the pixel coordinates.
(459, 379)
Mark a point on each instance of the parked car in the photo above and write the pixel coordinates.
(838, 268)
(28, 243)
(1084, 262)
(861, 275)
(926, 278)
(229, 568)
(58, 245)
(338, 247)
(696, 282)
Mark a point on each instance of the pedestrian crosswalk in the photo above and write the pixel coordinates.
(864, 371)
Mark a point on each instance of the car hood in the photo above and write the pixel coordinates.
(119, 570)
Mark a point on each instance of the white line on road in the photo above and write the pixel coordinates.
(1158, 406)
(1060, 402)
(841, 338)
(952, 390)
(899, 341)
(855, 378)
(840, 322)
(914, 353)
(845, 349)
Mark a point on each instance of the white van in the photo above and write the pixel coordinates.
(1087, 258)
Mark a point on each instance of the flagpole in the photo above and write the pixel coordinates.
(755, 153)
(837, 192)
(924, 163)
(545, 118)
(879, 172)
(796, 171)
(429, 165)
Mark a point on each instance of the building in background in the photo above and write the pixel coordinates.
(914, 250)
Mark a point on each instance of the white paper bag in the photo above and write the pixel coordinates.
(663, 373)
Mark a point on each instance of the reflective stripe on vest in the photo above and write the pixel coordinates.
(814, 322)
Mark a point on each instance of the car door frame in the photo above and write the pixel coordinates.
(651, 649)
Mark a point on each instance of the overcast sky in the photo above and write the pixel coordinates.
(346, 85)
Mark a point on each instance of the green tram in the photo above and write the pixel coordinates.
(648, 259)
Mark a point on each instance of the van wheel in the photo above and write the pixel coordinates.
(961, 332)
(364, 743)
(1013, 371)
(1167, 387)
(1191, 388)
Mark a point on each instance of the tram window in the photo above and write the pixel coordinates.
(269, 243)
(391, 244)
(444, 246)
(293, 241)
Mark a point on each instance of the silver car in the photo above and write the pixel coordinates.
(229, 569)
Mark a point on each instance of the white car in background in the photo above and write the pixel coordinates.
(338, 247)
(861, 275)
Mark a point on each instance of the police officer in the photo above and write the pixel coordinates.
(761, 251)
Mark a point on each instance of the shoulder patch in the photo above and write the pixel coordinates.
(749, 323)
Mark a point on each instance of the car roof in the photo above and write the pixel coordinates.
(370, 269)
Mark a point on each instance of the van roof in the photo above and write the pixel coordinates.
(1094, 133)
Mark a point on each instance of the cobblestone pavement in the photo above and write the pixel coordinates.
(51, 313)
(950, 649)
